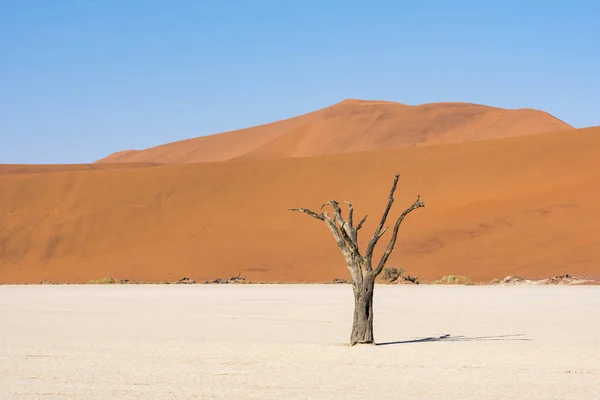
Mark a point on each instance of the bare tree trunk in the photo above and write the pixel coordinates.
(363, 275)
(362, 324)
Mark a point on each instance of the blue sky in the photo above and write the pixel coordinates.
(80, 79)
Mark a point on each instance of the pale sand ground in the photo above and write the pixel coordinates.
(288, 342)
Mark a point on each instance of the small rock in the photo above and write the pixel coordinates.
(563, 280)
(407, 280)
(237, 279)
(339, 280)
(511, 280)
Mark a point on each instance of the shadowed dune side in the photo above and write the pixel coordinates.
(353, 126)
(525, 206)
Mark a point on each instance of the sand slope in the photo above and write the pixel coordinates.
(352, 126)
(19, 169)
(525, 206)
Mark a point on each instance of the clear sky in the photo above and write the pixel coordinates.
(80, 79)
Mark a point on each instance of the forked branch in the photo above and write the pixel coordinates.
(362, 221)
(346, 230)
(417, 204)
(377, 234)
(340, 236)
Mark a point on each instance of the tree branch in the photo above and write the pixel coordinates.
(383, 231)
(376, 235)
(337, 235)
(417, 204)
(336, 209)
(345, 230)
(309, 212)
(339, 238)
(350, 214)
(362, 221)
(352, 231)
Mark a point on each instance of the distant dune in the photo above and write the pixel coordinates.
(353, 126)
(525, 205)
(17, 169)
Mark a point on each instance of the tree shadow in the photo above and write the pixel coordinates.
(449, 338)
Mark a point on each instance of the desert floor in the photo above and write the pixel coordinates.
(289, 342)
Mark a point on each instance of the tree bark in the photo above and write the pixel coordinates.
(362, 324)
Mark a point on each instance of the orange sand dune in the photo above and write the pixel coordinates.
(352, 126)
(526, 206)
(43, 168)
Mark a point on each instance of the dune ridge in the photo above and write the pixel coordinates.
(353, 126)
(17, 169)
(523, 206)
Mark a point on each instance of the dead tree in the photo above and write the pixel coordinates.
(361, 267)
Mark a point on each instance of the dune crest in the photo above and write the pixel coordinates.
(352, 126)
